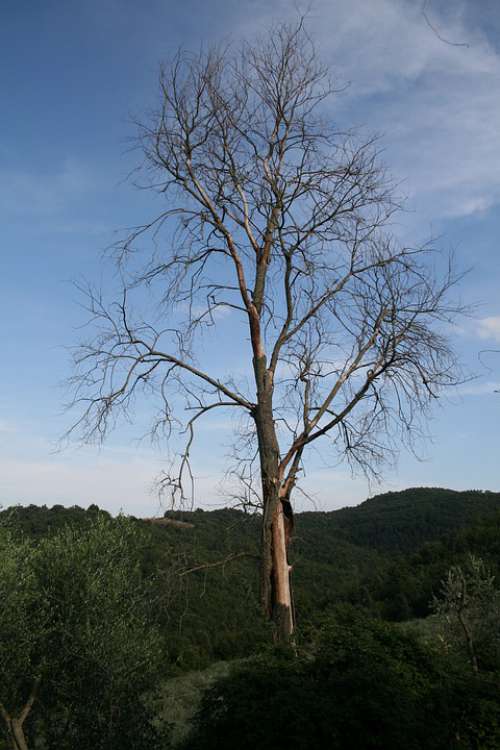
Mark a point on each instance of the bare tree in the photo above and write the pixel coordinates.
(275, 214)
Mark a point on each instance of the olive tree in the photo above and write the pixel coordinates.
(276, 215)
(469, 607)
(78, 643)
(24, 618)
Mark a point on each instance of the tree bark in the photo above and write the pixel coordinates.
(15, 732)
(15, 723)
(283, 613)
(276, 593)
(18, 735)
(470, 643)
(275, 589)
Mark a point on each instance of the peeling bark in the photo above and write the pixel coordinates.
(282, 609)
(275, 572)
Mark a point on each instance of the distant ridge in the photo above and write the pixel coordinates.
(389, 522)
(164, 521)
(406, 519)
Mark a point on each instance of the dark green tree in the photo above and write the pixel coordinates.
(367, 685)
(79, 648)
(469, 608)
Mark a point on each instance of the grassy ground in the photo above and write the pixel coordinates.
(180, 697)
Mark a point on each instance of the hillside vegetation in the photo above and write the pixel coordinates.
(388, 555)
(366, 582)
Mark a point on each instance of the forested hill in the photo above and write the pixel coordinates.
(405, 520)
(393, 521)
(388, 555)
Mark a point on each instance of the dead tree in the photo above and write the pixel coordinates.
(272, 212)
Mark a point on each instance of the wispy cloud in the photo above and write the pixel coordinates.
(489, 328)
(435, 104)
(487, 388)
(6, 427)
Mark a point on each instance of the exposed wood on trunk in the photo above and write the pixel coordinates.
(282, 614)
(275, 571)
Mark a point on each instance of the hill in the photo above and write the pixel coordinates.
(405, 520)
(388, 555)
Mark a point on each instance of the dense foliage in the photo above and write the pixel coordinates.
(98, 610)
(365, 685)
(78, 637)
(367, 556)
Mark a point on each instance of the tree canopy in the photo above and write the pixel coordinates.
(78, 642)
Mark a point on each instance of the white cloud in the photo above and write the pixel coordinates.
(435, 104)
(487, 388)
(386, 43)
(489, 328)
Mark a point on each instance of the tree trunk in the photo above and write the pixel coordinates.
(15, 724)
(276, 593)
(15, 732)
(470, 643)
(275, 587)
(19, 742)
(283, 613)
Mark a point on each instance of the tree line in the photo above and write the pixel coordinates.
(100, 616)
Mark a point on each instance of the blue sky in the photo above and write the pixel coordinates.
(74, 74)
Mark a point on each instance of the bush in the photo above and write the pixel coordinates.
(79, 625)
(368, 685)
